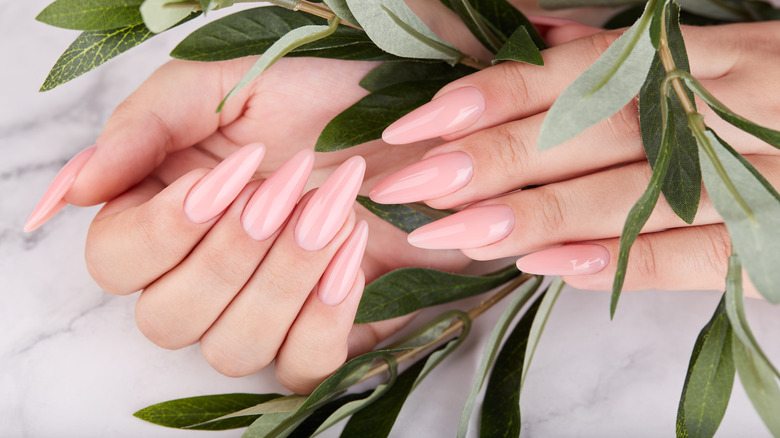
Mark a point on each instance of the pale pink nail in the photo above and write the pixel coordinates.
(448, 113)
(340, 275)
(53, 199)
(215, 191)
(469, 228)
(269, 207)
(572, 259)
(329, 207)
(428, 179)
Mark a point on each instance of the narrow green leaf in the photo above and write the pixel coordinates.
(658, 17)
(476, 24)
(405, 290)
(501, 405)
(566, 4)
(521, 48)
(91, 14)
(187, 412)
(340, 8)
(366, 119)
(252, 31)
(205, 5)
(760, 385)
(393, 73)
(400, 216)
(709, 380)
(625, 18)
(159, 16)
(431, 331)
(540, 320)
(289, 403)
(395, 29)
(503, 19)
(312, 423)
(523, 294)
(755, 234)
(721, 10)
(604, 88)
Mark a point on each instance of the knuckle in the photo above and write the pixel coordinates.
(550, 211)
(512, 83)
(644, 261)
(601, 41)
(509, 150)
(624, 125)
(717, 251)
(225, 268)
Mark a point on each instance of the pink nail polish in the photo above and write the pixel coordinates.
(329, 207)
(270, 205)
(215, 191)
(469, 228)
(52, 201)
(572, 259)
(338, 278)
(448, 113)
(431, 178)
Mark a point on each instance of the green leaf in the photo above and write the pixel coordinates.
(312, 423)
(405, 290)
(707, 388)
(682, 185)
(191, 411)
(755, 232)
(501, 405)
(289, 404)
(540, 320)
(399, 215)
(367, 118)
(340, 8)
(91, 14)
(721, 10)
(521, 48)
(625, 18)
(604, 88)
(284, 45)
(523, 294)
(159, 15)
(566, 4)
(395, 29)
(393, 73)
(476, 24)
(504, 19)
(252, 31)
(760, 385)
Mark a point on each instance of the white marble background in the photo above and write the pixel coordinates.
(72, 363)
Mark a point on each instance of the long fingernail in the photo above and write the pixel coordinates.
(52, 201)
(431, 178)
(469, 228)
(448, 113)
(572, 259)
(215, 191)
(338, 278)
(270, 205)
(329, 207)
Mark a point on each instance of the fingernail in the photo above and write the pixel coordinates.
(52, 201)
(270, 205)
(329, 207)
(338, 278)
(215, 191)
(431, 178)
(572, 259)
(448, 113)
(469, 228)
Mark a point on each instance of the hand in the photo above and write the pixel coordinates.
(492, 120)
(248, 301)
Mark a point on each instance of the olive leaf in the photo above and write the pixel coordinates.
(160, 15)
(200, 412)
(604, 88)
(341, 9)
(709, 380)
(760, 385)
(521, 48)
(91, 14)
(393, 73)
(288, 403)
(721, 10)
(476, 24)
(565, 4)
(503, 19)
(539, 321)
(398, 215)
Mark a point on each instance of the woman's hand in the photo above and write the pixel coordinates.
(492, 120)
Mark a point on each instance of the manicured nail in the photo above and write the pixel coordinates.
(469, 228)
(215, 191)
(572, 259)
(270, 205)
(431, 178)
(329, 207)
(52, 201)
(448, 113)
(338, 278)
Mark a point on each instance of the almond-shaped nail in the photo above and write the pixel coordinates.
(451, 112)
(218, 188)
(53, 199)
(270, 205)
(430, 178)
(470, 228)
(330, 205)
(572, 259)
(338, 278)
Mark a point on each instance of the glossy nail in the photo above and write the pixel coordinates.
(338, 278)
(469, 228)
(431, 178)
(329, 207)
(53, 199)
(448, 113)
(572, 259)
(218, 188)
(272, 203)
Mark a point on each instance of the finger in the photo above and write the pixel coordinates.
(157, 234)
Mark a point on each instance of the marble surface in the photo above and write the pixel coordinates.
(73, 364)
